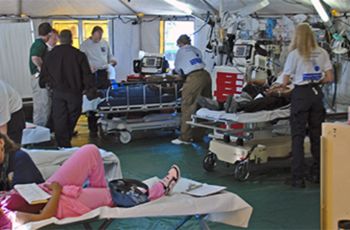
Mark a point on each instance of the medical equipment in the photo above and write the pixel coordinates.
(156, 104)
(151, 64)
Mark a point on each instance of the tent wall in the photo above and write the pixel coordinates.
(126, 47)
(201, 37)
(150, 36)
(16, 39)
(129, 39)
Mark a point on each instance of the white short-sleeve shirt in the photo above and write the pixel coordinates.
(307, 71)
(188, 59)
(98, 53)
(11, 102)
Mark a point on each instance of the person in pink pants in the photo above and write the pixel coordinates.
(69, 198)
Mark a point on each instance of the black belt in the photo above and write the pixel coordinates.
(310, 85)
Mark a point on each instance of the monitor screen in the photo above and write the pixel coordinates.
(241, 51)
(150, 61)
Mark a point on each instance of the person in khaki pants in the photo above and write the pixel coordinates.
(41, 99)
(189, 64)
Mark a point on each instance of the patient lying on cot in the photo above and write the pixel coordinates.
(252, 99)
(69, 198)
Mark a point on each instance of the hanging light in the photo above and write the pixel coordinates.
(320, 10)
(180, 5)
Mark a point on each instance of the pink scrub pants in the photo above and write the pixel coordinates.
(86, 163)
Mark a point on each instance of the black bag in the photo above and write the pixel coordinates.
(128, 192)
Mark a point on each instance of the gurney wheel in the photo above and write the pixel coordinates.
(209, 162)
(125, 137)
(241, 171)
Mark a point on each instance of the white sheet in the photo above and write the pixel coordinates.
(260, 116)
(33, 134)
(48, 161)
(225, 207)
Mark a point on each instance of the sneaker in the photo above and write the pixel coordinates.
(171, 179)
(208, 103)
(178, 141)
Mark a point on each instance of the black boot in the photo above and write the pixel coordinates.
(295, 182)
(314, 174)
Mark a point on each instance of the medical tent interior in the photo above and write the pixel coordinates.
(241, 41)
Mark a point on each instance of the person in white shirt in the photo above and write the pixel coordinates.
(190, 65)
(12, 121)
(99, 56)
(53, 39)
(310, 66)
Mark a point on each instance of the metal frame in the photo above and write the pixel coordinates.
(107, 222)
(122, 124)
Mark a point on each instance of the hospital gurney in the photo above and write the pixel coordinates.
(156, 104)
(224, 207)
(246, 143)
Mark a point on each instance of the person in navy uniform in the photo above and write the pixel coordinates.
(310, 66)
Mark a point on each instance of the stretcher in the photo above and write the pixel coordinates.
(155, 105)
(224, 207)
(240, 138)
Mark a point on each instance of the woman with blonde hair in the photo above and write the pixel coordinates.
(310, 66)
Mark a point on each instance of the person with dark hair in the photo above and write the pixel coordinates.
(99, 55)
(41, 103)
(16, 166)
(66, 71)
(68, 196)
(189, 64)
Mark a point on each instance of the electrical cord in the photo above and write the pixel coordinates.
(204, 24)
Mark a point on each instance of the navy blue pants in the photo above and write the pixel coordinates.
(307, 110)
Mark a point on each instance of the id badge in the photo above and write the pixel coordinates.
(312, 76)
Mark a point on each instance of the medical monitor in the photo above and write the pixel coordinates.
(242, 51)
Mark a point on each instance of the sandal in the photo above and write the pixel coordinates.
(171, 179)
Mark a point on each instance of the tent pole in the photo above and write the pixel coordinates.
(20, 4)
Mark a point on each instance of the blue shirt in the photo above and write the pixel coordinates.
(23, 168)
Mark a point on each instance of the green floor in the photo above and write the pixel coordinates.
(276, 206)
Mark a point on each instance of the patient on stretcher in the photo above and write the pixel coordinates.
(252, 99)
(69, 198)
(135, 94)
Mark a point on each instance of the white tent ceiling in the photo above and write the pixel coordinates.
(41, 8)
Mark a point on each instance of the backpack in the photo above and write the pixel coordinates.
(128, 192)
